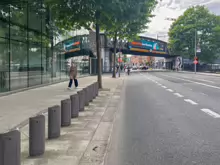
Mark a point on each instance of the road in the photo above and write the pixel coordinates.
(167, 118)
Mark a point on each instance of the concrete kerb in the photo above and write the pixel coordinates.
(111, 130)
(114, 91)
(80, 161)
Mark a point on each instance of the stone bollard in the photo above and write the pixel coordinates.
(10, 148)
(90, 93)
(96, 88)
(65, 112)
(37, 135)
(93, 91)
(74, 105)
(54, 120)
(86, 92)
(81, 94)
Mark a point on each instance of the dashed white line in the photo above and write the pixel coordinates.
(164, 87)
(206, 80)
(178, 95)
(190, 101)
(170, 90)
(211, 113)
(211, 86)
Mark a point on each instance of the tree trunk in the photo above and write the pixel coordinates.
(99, 76)
(114, 58)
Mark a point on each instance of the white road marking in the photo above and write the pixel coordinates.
(211, 113)
(178, 95)
(159, 84)
(190, 89)
(206, 80)
(190, 101)
(170, 90)
(164, 87)
(204, 94)
(198, 79)
(211, 86)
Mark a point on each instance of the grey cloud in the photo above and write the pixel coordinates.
(214, 7)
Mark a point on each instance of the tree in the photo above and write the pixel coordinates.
(197, 26)
(74, 14)
(126, 19)
(113, 16)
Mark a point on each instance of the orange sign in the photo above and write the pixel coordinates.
(136, 43)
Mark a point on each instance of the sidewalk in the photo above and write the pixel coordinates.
(18, 107)
(85, 141)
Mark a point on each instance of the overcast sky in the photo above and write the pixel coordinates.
(173, 9)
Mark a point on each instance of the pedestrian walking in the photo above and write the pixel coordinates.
(73, 75)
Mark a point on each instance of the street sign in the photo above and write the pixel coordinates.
(195, 62)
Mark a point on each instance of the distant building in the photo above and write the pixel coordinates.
(141, 60)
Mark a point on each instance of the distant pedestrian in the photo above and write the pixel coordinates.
(117, 68)
(72, 75)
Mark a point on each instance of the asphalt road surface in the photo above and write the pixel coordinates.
(167, 118)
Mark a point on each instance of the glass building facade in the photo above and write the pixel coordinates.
(28, 53)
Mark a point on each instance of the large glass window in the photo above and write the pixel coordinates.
(26, 56)
(18, 33)
(19, 13)
(4, 29)
(35, 66)
(34, 21)
(46, 61)
(4, 65)
(18, 65)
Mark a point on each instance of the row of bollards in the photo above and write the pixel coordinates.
(58, 116)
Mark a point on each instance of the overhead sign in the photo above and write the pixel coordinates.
(145, 46)
(71, 46)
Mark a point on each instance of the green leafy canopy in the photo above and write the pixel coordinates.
(196, 23)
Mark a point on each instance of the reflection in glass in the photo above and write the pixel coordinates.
(18, 33)
(18, 65)
(35, 68)
(4, 29)
(46, 76)
(18, 12)
(26, 56)
(4, 65)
